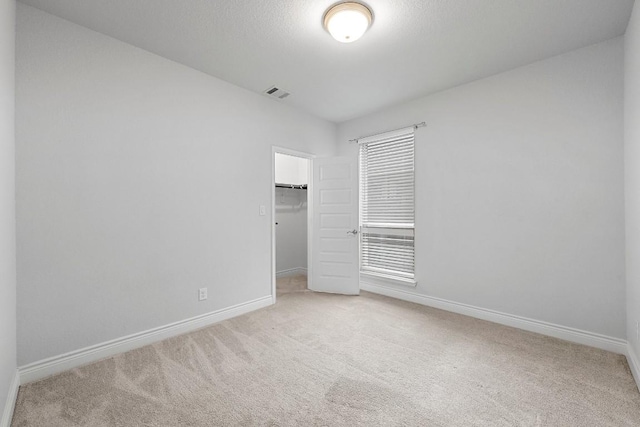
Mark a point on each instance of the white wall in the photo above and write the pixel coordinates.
(291, 231)
(291, 169)
(519, 190)
(632, 174)
(7, 200)
(139, 181)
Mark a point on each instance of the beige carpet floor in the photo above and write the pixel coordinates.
(328, 360)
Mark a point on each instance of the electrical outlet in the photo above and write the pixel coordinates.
(202, 294)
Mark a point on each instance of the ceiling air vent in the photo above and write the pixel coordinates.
(276, 92)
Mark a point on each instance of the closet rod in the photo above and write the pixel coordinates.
(299, 187)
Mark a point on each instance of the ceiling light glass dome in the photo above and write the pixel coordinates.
(347, 22)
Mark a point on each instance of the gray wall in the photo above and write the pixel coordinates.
(632, 175)
(125, 208)
(7, 200)
(139, 181)
(519, 190)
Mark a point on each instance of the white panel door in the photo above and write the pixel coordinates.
(334, 250)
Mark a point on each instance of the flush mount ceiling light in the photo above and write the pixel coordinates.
(347, 22)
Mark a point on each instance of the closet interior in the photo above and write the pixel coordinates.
(291, 218)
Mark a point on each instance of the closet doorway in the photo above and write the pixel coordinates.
(291, 204)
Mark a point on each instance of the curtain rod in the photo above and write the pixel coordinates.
(414, 126)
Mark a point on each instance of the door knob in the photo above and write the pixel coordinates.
(354, 232)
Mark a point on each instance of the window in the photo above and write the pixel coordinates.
(387, 208)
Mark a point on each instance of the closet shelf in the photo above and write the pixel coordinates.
(294, 186)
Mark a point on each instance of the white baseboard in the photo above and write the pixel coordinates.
(10, 404)
(634, 364)
(292, 272)
(53, 365)
(603, 342)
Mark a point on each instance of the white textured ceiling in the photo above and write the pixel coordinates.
(414, 48)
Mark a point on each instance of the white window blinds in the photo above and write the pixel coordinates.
(387, 208)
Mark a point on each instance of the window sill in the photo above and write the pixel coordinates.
(385, 279)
